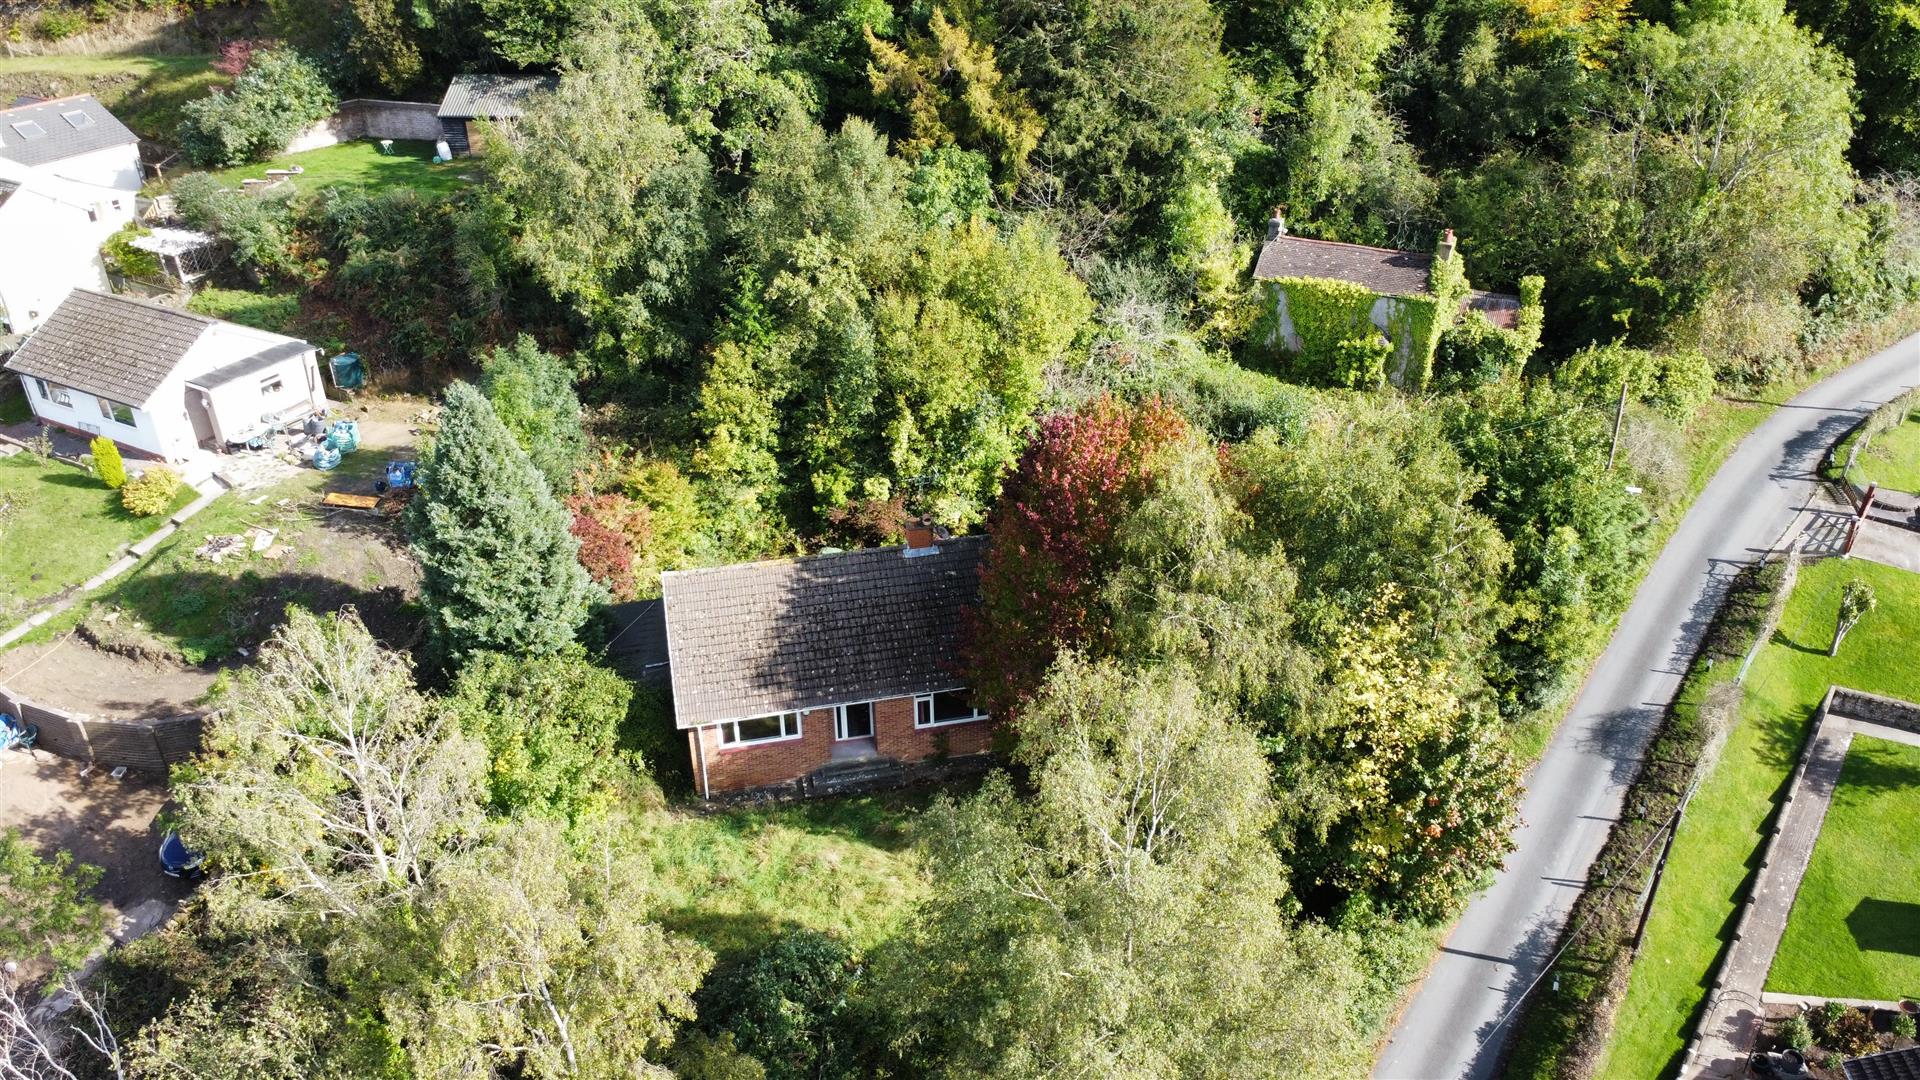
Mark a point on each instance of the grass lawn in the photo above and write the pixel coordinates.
(736, 879)
(1719, 840)
(145, 92)
(1893, 459)
(361, 165)
(1855, 928)
(64, 528)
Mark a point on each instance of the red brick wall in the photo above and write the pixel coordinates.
(735, 768)
(896, 737)
(739, 768)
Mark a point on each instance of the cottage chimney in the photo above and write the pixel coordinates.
(1447, 245)
(1277, 224)
(922, 537)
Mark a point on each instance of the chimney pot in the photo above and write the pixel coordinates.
(1447, 246)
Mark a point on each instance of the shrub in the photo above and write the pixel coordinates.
(1851, 1034)
(272, 312)
(123, 258)
(787, 1005)
(106, 462)
(1675, 384)
(603, 550)
(151, 492)
(260, 229)
(1796, 1032)
(41, 446)
(60, 25)
(280, 93)
(1905, 1026)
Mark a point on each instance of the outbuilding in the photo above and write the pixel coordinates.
(471, 98)
(163, 383)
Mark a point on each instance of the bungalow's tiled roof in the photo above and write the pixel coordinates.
(1892, 1065)
(49, 131)
(766, 637)
(111, 346)
(494, 97)
(1384, 270)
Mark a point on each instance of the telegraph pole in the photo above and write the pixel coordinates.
(1619, 413)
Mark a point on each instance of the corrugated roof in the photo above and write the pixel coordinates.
(1892, 1065)
(495, 97)
(766, 637)
(111, 346)
(55, 130)
(1384, 270)
(252, 365)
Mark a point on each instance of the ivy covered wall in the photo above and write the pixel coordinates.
(1321, 325)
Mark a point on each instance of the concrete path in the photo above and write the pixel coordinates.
(1458, 1021)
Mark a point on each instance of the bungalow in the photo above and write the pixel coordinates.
(161, 382)
(787, 670)
(69, 172)
(1324, 293)
(484, 97)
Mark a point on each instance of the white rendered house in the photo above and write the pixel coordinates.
(69, 173)
(160, 382)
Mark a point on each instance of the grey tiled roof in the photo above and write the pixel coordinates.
(109, 345)
(1892, 1065)
(766, 637)
(60, 137)
(1384, 270)
(493, 96)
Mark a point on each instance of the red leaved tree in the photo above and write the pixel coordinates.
(1052, 531)
(609, 528)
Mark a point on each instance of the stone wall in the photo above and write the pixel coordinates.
(1860, 705)
(368, 118)
(147, 745)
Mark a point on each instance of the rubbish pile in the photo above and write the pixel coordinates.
(217, 548)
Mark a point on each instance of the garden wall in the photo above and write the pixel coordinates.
(369, 118)
(1860, 705)
(148, 745)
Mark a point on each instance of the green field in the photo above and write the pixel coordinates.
(145, 92)
(62, 528)
(1714, 853)
(1855, 928)
(361, 165)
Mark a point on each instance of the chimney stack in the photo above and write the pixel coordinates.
(1447, 246)
(1277, 224)
(922, 535)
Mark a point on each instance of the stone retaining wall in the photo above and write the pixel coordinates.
(369, 118)
(147, 745)
(1860, 705)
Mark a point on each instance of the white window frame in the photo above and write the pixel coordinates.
(61, 395)
(729, 732)
(41, 385)
(930, 722)
(272, 384)
(107, 412)
(840, 721)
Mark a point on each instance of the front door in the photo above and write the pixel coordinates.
(853, 721)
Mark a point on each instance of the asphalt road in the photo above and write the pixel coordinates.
(1457, 1023)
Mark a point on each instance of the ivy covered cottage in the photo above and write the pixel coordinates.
(799, 674)
(1357, 316)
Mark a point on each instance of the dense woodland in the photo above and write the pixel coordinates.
(767, 275)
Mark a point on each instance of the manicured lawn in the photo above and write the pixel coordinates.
(1893, 458)
(145, 92)
(1855, 928)
(361, 165)
(734, 880)
(1715, 851)
(64, 528)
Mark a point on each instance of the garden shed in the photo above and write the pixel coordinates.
(484, 97)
